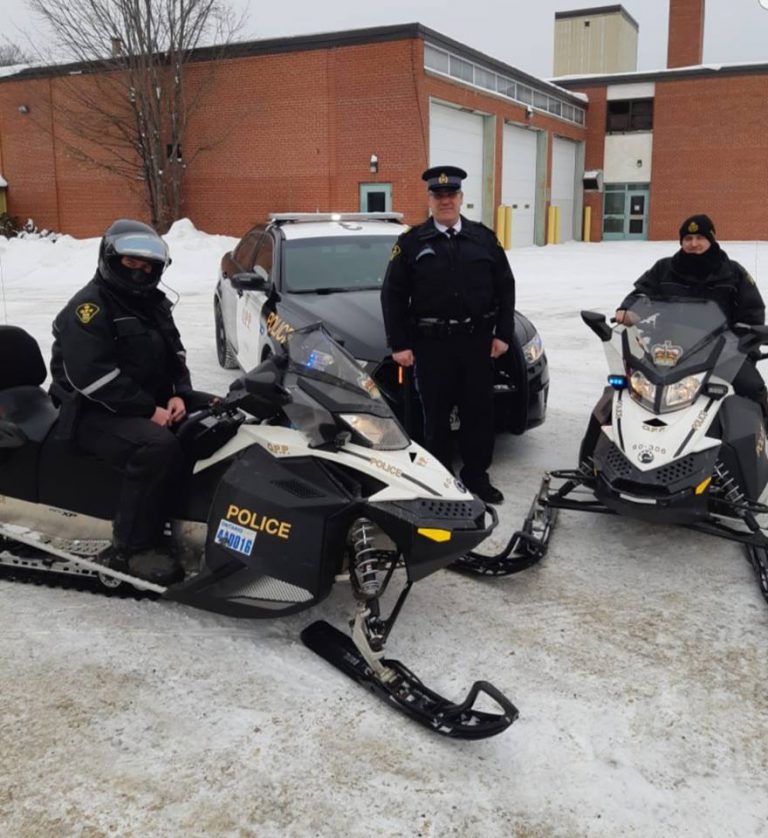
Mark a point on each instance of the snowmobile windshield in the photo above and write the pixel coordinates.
(675, 337)
(331, 394)
(673, 347)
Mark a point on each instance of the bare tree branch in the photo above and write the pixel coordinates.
(129, 110)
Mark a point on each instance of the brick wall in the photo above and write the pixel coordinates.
(685, 45)
(289, 131)
(710, 154)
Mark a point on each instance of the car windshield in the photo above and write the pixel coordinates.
(340, 263)
(669, 334)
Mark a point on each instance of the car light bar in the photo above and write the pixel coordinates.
(285, 217)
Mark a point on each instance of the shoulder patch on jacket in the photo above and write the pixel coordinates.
(86, 312)
(396, 251)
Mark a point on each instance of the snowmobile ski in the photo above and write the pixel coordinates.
(525, 548)
(406, 693)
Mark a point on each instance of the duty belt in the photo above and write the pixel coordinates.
(445, 326)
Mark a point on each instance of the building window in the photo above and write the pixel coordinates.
(442, 61)
(629, 115)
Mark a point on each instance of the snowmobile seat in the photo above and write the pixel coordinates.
(26, 410)
(21, 361)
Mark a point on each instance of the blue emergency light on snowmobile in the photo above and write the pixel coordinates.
(618, 382)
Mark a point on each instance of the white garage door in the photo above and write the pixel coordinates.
(456, 139)
(563, 183)
(518, 182)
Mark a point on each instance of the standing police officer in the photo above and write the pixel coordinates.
(449, 309)
(119, 371)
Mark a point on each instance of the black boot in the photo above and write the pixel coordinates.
(152, 564)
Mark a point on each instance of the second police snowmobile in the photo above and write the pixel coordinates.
(299, 476)
(670, 441)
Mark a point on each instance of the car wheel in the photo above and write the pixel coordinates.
(224, 351)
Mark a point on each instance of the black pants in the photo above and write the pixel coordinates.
(457, 370)
(749, 383)
(152, 464)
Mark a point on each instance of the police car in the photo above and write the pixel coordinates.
(302, 268)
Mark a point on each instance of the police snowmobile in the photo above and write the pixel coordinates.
(669, 441)
(299, 476)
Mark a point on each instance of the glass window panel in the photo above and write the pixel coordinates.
(642, 115)
(507, 87)
(485, 78)
(554, 106)
(614, 203)
(611, 224)
(436, 60)
(524, 94)
(635, 225)
(540, 100)
(461, 69)
(637, 204)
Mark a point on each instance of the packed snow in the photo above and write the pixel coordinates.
(636, 654)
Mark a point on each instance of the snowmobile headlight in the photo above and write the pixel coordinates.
(377, 431)
(642, 389)
(533, 349)
(683, 392)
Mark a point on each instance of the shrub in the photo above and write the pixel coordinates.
(9, 225)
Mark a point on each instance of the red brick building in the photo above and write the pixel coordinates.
(343, 121)
(348, 121)
(688, 139)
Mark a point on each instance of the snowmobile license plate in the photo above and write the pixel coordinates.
(235, 537)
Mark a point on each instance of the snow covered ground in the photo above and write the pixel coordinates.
(637, 655)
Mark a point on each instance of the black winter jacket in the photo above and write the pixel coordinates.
(432, 276)
(728, 284)
(122, 354)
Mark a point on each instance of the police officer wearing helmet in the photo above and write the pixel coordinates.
(120, 374)
(448, 300)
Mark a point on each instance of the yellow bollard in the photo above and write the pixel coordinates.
(557, 225)
(507, 228)
(501, 221)
(550, 224)
(587, 236)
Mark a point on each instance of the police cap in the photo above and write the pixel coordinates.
(444, 178)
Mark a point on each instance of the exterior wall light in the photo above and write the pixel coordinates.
(23, 108)
(374, 161)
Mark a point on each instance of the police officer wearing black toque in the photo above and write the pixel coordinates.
(120, 374)
(702, 269)
(449, 309)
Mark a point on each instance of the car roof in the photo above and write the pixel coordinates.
(323, 225)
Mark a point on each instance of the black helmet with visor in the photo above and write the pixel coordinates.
(135, 240)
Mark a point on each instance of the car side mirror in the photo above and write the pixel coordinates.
(597, 322)
(251, 281)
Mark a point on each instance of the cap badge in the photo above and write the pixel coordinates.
(86, 312)
(443, 178)
(693, 227)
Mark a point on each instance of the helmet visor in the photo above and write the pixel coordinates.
(141, 246)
